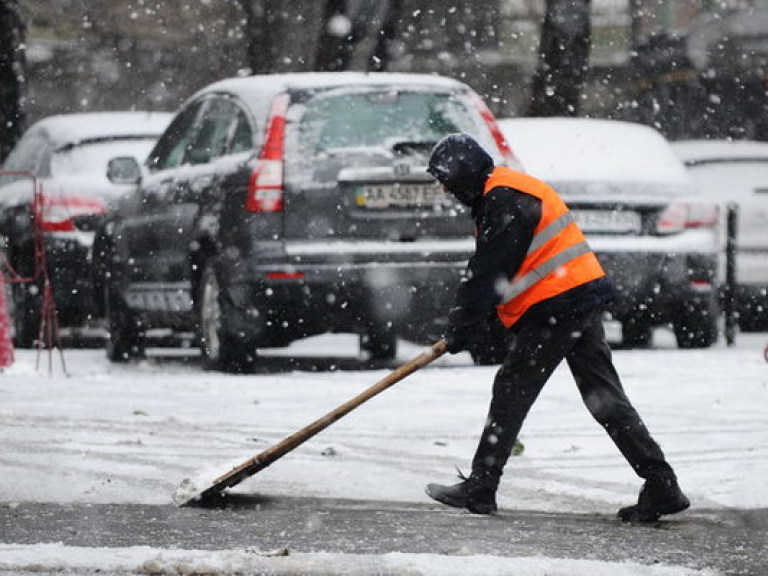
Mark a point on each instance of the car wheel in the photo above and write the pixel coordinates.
(697, 326)
(27, 307)
(380, 344)
(752, 313)
(696, 334)
(748, 323)
(218, 348)
(636, 334)
(125, 338)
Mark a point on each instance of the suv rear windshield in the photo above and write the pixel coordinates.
(381, 119)
(356, 159)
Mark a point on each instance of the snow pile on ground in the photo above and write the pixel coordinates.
(144, 560)
(192, 487)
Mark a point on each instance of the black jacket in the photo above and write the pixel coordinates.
(505, 221)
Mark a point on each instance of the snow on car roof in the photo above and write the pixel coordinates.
(568, 149)
(309, 80)
(72, 128)
(258, 88)
(703, 151)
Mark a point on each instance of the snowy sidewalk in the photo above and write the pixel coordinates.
(127, 435)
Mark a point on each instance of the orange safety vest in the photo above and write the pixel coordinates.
(559, 257)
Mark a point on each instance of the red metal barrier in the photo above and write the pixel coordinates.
(49, 326)
(6, 342)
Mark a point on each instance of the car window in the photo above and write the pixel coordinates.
(381, 119)
(173, 144)
(242, 137)
(214, 131)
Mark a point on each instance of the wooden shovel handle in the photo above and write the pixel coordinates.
(275, 452)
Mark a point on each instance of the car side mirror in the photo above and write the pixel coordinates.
(124, 170)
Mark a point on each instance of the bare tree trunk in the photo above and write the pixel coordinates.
(635, 17)
(382, 53)
(13, 80)
(262, 30)
(347, 23)
(563, 59)
(337, 38)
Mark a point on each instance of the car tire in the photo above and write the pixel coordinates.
(752, 311)
(696, 334)
(125, 338)
(697, 326)
(27, 308)
(636, 334)
(218, 348)
(380, 344)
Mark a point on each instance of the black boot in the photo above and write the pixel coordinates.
(659, 495)
(473, 493)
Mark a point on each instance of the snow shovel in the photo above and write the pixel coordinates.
(209, 484)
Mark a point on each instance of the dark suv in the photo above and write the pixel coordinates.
(278, 207)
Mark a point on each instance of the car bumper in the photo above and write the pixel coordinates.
(311, 290)
(654, 286)
(308, 289)
(69, 269)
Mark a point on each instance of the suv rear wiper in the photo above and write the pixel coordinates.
(407, 147)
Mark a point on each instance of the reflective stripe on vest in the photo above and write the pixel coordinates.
(551, 231)
(521, 284)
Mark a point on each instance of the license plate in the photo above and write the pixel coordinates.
(381, 196)
(610, 221)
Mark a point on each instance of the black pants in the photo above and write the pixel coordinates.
(535, 349)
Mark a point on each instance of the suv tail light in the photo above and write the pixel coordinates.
(57, 213)
(508, 157)
(679, 216)
(265, 187)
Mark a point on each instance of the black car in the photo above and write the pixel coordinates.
(65, 156)
(278, 207)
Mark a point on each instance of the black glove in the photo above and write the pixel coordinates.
(486, 335)
(462, 331)
(456, 340)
